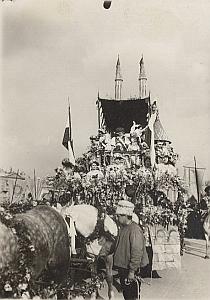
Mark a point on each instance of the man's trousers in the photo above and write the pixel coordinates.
(131, 291)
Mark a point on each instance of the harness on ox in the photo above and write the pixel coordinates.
(93, 225)
(96, 233)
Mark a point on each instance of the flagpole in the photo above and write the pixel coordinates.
(35, 184)
(197, 184)
(99, 113)
(13, 192)
(70, 141)
(69, 119)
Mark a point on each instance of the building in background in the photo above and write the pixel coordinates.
(13, 186)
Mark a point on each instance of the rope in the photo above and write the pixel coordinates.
(138, 288)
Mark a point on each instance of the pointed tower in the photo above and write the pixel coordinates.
(160, 134)
(142, 80)
(118, 81)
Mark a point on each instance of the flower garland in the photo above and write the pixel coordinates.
(106, 193)
(16, 276)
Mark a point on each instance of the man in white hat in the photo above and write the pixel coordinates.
(130, 252)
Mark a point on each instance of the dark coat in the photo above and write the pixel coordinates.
(130, 252)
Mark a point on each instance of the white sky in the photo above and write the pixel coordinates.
(53, 49)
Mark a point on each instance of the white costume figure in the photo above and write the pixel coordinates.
(68, 170)
(101, 138)
(137, 130)
(166, 169)
(120, 141)
(146, 170)
(117, 169)
(95, 172)
(71, 175)
(105, 142)
(134, 147)
(161, 169)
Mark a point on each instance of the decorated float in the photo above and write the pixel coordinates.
(130, 157)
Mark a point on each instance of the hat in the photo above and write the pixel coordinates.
(125, 207)
(207, 188)
(66, 163)
(119, 129)
(93, 137)
(118, 155)
(94, 162)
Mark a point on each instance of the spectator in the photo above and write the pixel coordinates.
(130, 252)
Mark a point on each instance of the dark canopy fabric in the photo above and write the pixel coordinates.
(122, 113)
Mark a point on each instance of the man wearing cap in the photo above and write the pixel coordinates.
(130, 250)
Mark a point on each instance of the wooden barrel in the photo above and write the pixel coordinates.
(48, 234)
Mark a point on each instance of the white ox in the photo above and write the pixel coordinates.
(85, 218)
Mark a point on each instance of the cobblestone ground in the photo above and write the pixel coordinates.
(191, 282)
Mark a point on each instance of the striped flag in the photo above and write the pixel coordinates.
(152, 143)
(67, 138)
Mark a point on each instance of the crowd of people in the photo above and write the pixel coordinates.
(123, 158)
(133, 145)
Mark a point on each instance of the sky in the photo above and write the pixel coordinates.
(55, 49)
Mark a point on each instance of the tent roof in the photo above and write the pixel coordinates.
(160, 134)
(122, 113)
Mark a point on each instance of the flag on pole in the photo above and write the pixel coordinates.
(199, 173)
(194, 179)
(152, 143)
(67, 138)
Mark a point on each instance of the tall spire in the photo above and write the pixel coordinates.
(160, 134)
(142, 80)
(118, 81)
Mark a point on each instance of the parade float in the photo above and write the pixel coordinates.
(130, 157)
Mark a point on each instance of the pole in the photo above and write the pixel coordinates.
(197, 184)
(69, 120)
(70, 141)
(35, 194)
(70, 129)
(184, 174)
(99, 116)
(38, 187)
(13, 192)
(187, 167)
